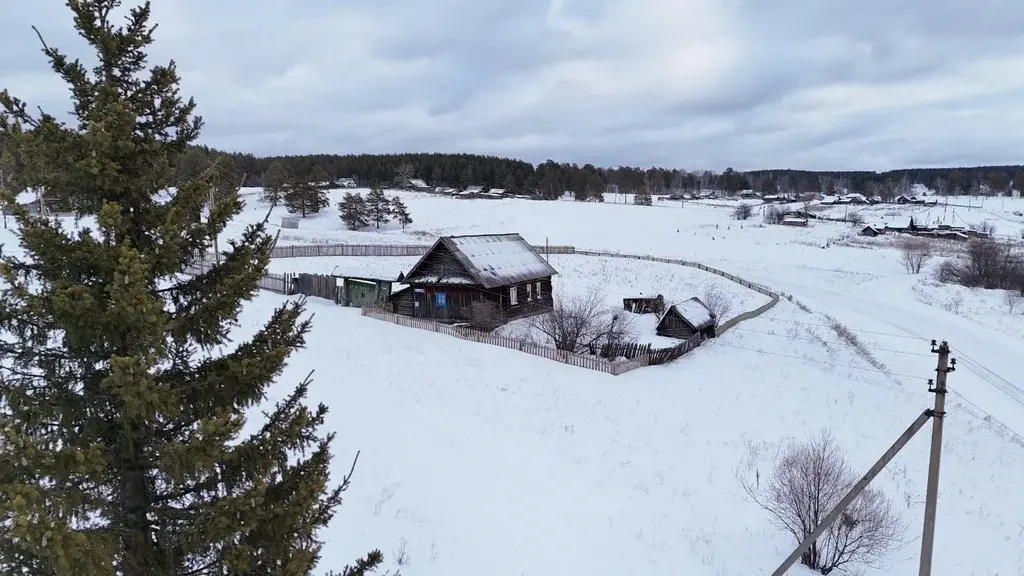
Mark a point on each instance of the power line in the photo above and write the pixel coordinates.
(771, 319)
(873, 349)
(988, 415)
(718, 342)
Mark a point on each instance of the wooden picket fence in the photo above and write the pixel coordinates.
(636, 355)
(589, 362)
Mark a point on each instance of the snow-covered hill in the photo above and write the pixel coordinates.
(477, 459)
(480, 458)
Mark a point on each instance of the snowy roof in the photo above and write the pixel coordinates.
(496, 191)
(417, 183)
(693, 312)
(474, 188)
(492, 260)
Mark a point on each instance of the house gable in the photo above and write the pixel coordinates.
(440, 266)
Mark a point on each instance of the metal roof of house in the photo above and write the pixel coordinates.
(492, 260)
(693, 311)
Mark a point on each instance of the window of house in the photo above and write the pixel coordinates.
(538, 290)
(529, 292)
(513, 296)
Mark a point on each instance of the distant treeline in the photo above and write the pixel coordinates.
(551, 179)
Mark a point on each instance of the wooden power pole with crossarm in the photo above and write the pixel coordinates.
(936, 414)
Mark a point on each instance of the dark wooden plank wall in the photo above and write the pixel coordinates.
(528, 303)
(442, 262)
(674, 327)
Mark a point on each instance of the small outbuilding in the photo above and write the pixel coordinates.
(687, 318)
(871, 231)
(643, 305)
(458, 271)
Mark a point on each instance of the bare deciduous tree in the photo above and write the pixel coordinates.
(582, 323)
(743, 211)
(807, 481)
(773, 215)
(403, 174)
(717, 301)
(915, 252)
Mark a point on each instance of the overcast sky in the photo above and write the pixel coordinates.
(813, 84)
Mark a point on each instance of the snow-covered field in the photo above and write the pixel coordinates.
(512, 462)
(478, 458)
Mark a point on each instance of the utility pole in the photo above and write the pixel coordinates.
(945, 366)
(853, 493)
(938, 387)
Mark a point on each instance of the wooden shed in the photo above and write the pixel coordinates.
(359, 292)
(871, 231)
(687, 318)
(457, 271)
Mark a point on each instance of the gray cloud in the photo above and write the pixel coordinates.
(823, 84)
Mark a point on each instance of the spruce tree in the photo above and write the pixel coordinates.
(378, 206)
(401, 212)
(121, 417)
(510, 184)
(305, 198)
(353, 211)
(275, 182)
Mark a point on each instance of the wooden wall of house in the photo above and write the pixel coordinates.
(528, 302)
(458, 301)
(401, 302)
(674, 327)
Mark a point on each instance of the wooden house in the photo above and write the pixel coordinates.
(871, 231)
(687, 318)
(457, 271)
(417, 185)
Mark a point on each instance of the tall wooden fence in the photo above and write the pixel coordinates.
(595, 362)
(319, 285)
(280, 283)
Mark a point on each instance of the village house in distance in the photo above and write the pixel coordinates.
(456, 271)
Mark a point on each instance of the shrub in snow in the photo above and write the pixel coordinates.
(1012, 299)
(987, 264)
(743, 211)
(806, 483)
(485, 316)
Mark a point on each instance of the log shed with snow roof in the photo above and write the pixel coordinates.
(457, 271)
(687, 318)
